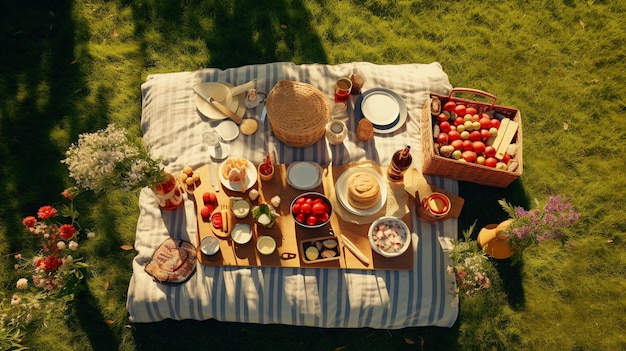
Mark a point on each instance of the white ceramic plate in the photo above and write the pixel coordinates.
(400, 227)
(341, 187)
(228, 130)
(220, 91)
(402, 116)
(248, 182)
(304, 175)
(381, 108)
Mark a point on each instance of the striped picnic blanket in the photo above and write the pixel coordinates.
(329, 298)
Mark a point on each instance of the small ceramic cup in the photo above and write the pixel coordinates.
(336, 132)
(264, 175)
(436, 204)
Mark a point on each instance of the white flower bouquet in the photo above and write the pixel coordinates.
(471, 267)
(109, 159)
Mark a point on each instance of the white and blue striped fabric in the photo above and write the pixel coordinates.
(328, 298)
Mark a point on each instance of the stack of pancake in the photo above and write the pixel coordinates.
(363, 190)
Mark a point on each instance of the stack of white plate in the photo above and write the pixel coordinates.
(383, 107)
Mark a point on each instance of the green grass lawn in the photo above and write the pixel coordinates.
(67, 67)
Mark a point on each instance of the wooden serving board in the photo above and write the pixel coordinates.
(285, 231)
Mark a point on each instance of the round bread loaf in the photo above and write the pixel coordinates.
(363, 190)
(364, 130)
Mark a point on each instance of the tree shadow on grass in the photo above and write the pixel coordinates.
(41, 86)
(235, 33)
(43, 93)
(38, 84)
(91, 321)
(225, 336)
(511, 276)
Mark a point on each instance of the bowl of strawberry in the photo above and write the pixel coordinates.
(311, 210)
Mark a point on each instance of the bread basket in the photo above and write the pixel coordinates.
(297, 112)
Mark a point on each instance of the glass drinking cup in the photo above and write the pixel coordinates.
(342, 89)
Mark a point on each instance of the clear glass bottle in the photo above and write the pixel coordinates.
(400, 162)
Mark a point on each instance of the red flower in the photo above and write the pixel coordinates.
(46, 212)
(29, 221)
(49, 263)
(68, 193)
(67, 231)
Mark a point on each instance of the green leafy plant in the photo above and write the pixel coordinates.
(265, 214)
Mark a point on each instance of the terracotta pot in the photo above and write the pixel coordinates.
(495, 246)
(169, 193)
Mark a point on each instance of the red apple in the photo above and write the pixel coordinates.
(491, 162)
(454, 135)
(495, 123)
(490, 151)
(469, 156)
(506, 158)
(485, 123)
(458, 121)
(444, 127)
(485, 134)
(442, 117)
(471, 110)
(475, 118)
(475, 136)
(478, 147)
(442, 138)
(457, 144)
(449, 106)
(460, 110)
(467, 145)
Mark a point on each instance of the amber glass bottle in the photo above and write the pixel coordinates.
(400, 162)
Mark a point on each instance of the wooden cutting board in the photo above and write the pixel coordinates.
(286, 232)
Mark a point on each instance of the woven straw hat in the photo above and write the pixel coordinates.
(298, 113)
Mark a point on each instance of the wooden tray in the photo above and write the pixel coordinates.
(285, 231)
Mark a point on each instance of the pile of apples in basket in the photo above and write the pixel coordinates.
(463, 133)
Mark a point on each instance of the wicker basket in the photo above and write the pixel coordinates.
(298, 113)
(435, 164)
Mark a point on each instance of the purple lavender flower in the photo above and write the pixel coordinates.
(520, 212)
(536, 225)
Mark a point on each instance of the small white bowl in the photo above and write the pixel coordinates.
(400, 227)
(241, 233)
(241, 208)
(210, 246)
(266, 245)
